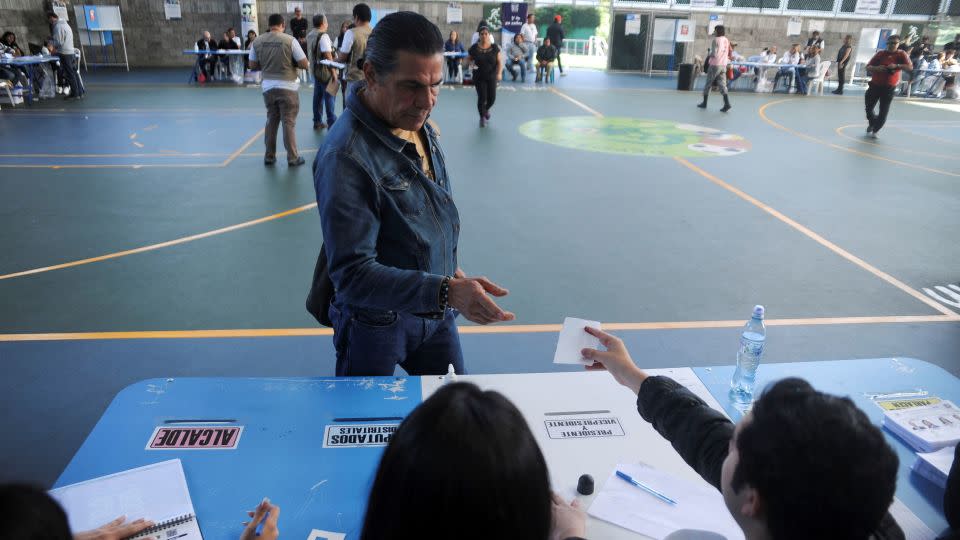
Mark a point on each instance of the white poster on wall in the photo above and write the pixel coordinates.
(703, 3)
(171, 8)
(248, 17)
(867, 7)
(794, 26)
(715, 20)
(60, 8)
(292, 6)
(634, 24)
(684, 31)
(816, 25)
(454, 13)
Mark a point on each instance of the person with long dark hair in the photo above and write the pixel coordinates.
(487, 72)
(717, 67)
(468, 458)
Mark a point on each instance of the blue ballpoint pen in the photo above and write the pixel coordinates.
(646, 488)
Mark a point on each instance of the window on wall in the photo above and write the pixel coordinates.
(810, 5)
(757, 4)
(848, 6)
(916, 7)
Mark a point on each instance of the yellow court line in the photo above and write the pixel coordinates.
(246, 145)
(577, 103)
(821, 240)
(93, 156)
(168, 243)
(506, 329)
(839, 131)
(763, 116)
(931, 137)
(809, 233)
(112, 166)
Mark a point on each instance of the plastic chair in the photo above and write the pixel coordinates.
(818, 80)
(7, 86)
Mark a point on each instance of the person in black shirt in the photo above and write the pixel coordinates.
(298, 27)
(815, 39)
(208, 62)
(800, 465)
(546, 54)
(555, 34)
(487, 72)
(843, 59)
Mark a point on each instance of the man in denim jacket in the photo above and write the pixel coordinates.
(390, 226)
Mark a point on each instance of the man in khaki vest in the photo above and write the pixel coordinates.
(354, 44)
(279, 55)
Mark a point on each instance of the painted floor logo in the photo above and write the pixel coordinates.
(635, 136)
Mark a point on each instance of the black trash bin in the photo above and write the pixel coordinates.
(685, 77)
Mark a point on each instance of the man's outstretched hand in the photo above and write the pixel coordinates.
(471, 296)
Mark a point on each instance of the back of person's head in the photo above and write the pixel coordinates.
(820, 468)
(275, 19)
(29, 513)
(462, 465)
(318, 21)
(401, 31)
(361, 12)
(482, 24)
(720, 30)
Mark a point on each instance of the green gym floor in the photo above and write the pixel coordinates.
(141, 236)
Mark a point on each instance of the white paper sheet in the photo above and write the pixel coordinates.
(699, 507)
(574, 339)
(155, 492)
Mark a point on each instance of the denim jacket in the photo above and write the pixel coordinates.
(390, 231)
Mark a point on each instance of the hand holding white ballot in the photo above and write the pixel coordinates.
(574, 339)
(699, 508)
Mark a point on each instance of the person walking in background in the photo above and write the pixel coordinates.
(884, 68)
(717, 70)
(556, 36)
(354, 43)
(279, 56)
(453, 45)
(843, 58)
(63, 41)
(487, 71)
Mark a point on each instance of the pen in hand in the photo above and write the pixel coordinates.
(646, 488)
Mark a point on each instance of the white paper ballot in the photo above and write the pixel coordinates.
(574, 339)
(699, 507)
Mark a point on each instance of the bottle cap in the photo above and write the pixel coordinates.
(585, 485)
(758, 312)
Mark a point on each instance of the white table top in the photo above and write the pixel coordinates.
(567, 459)
(218, 51)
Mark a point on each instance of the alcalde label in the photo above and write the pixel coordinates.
(358, 435)
(582, 428)
(195, 438)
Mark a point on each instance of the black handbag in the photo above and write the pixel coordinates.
(321, 291)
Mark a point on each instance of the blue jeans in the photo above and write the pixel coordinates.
(802, 80)
(323, 100)
(373, 342)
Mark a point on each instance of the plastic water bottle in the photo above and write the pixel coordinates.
(748, 358)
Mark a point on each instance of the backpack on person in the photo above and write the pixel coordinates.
(322, 72)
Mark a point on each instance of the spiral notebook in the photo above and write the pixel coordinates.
(156, 492)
